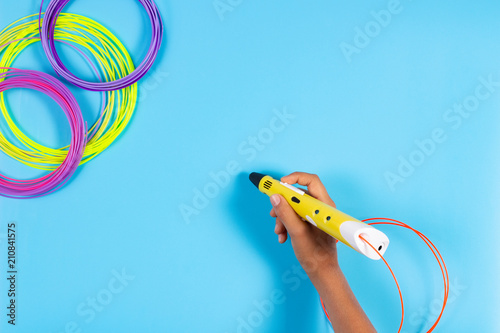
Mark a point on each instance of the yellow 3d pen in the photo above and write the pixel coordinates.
(343, 227)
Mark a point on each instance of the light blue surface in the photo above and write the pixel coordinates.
(217, 84)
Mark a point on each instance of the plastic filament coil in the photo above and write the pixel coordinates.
(49, 25)
(112, 61)
(15, 78)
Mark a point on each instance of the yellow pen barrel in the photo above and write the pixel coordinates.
(343, 227)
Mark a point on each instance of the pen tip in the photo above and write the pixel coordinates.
(255, 178)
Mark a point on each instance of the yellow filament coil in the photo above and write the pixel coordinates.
(113, 62)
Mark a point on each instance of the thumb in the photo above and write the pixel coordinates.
(287, 215)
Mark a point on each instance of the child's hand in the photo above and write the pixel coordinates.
(313, 248)
(317, 253)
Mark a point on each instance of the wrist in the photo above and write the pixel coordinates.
(322, 271)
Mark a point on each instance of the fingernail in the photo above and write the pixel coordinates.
(275, 200)
(276, 229)
(280, 238)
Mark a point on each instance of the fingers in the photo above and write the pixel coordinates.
(280, 230)
(314, 185)
(291, 221)
(287, 220)
(282, 238)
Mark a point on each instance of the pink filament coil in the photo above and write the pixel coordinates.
(12, 78)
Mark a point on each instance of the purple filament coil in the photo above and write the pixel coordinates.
(47, 37)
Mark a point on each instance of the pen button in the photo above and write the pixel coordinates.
(293, 188)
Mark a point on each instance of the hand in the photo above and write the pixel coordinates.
(313, 248)
(317, 253)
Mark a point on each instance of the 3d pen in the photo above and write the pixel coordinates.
(341, 226)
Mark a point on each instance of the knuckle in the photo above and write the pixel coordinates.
(300, 231)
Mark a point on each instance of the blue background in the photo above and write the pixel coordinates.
(219, 80)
